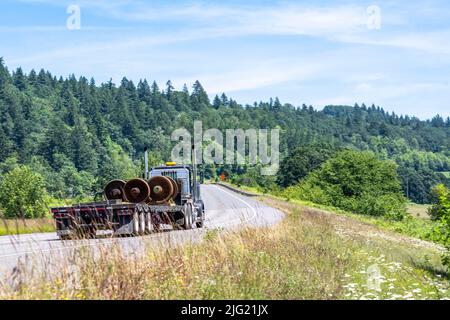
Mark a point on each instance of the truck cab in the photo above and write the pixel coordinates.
(183, 175)
(188, 186)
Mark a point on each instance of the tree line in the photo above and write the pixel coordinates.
(78, 134)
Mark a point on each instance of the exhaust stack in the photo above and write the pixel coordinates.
(194, 172)
(146, 163)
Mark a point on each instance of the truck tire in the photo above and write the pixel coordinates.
(188, 217)
(148, 222)
(135, 223)
(141, 223)
(201, 223)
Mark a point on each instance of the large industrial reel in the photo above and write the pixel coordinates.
(161, 189)
(114, 190)
(137, 191)
(175, 188)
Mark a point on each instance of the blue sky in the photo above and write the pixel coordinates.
(302, 52)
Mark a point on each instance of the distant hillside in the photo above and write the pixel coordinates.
(79, 134)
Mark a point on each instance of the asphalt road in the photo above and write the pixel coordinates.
(224, 208)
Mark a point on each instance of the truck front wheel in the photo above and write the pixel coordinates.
(200, 224)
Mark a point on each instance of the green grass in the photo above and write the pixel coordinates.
(408, 270)
(17, 226)
(417, 224)
(411, 226)
(54, 202)
(254, 190)
(415, 227)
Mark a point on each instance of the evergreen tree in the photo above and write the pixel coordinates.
(224, 99)
(169, 90)
(217, 102)
(199, 97)
(144, 92)
(4, 78)
(19, 79)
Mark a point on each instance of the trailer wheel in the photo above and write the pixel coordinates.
(188, 217)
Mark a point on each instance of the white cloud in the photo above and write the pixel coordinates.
(390, 94)
(434, 42)
(257, 75)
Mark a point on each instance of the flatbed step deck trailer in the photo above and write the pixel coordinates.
(122, 218)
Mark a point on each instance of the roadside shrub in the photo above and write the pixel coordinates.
(253, 178)
(390, 206)
(356, 182)
(307, 191)
(440, 196)
(301, 161)
(23, 194)
(440, 211)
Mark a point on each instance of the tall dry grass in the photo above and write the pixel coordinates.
(292, 260)
(311, 254)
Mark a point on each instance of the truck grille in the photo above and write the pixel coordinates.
(170, 174)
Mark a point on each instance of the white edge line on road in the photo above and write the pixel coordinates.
(243, 201)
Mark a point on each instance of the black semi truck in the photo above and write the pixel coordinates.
(166, 195)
